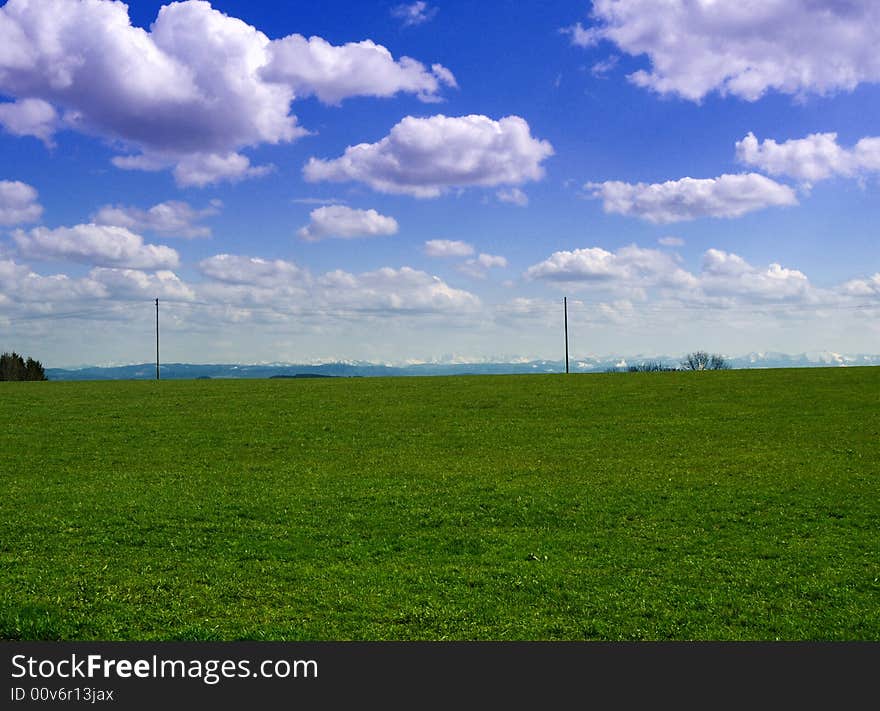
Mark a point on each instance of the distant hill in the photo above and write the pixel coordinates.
(303, 375)
(177, 371)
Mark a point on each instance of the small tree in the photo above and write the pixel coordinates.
(34, 370)
(701, 360)
(14, 367)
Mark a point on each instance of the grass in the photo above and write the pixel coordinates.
(739, 505)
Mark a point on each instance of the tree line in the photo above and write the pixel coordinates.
(15, 367)
(698, 360)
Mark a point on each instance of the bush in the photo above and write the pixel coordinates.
(651, 366)
(14, 367)
(701, 360)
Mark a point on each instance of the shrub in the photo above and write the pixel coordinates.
(650, 366)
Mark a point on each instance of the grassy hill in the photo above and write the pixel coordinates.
(686, 506)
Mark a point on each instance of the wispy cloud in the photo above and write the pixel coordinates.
(414, 13)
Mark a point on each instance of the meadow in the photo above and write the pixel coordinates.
(736, 505)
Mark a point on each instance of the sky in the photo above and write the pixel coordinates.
(426, 181)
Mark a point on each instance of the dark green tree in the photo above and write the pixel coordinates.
(15, 367)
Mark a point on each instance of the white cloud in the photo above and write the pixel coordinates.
(173, 217)
(100, 245)
(630, 269)
(135, 284)
(581, 36)
(318, 201)
(479, 266)
(690, 198)
(191, 92)
(742, 49)
(448, 248)
(403, 290)
(869, 286)
(196, 169)
(18, 203)
(30, 117)
(200, 169)
(346, 223)
(234, 269)
(810, 159)
(671, 241)
(863, 287)
(724, 280)
(284, 286)
(314, 66)
(515, 196)
(22, 285)
(414, 13)
(425, 157)
(726, 274)
(600, 69)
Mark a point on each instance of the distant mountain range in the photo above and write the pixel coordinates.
(355, 369)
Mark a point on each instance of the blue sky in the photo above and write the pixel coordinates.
(422, 181)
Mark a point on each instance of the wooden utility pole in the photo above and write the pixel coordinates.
(565, 309)
(157, 339)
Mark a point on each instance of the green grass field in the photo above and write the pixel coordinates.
(739, 505)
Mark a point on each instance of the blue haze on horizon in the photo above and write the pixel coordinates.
(713, 187)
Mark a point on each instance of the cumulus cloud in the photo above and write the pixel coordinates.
(174, 217)
(190, 92)
(196, 169)
(480, 265)
(448, 248)
(869, 286)
(630, 268)
(724, 279)
(346, 223)
(30, 117)
(285, 286)
(18, 203)
(21, 284)
(135, 284)
(255, 271)
(691, 198)
(403, 290)
(742, 49)
(727, 274)
(414, 13)
(314, 66)
(515, 196)
(425, 157)
(810, 159)
(99, 245)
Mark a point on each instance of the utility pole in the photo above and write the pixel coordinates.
(565, 308)
(157, 339)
